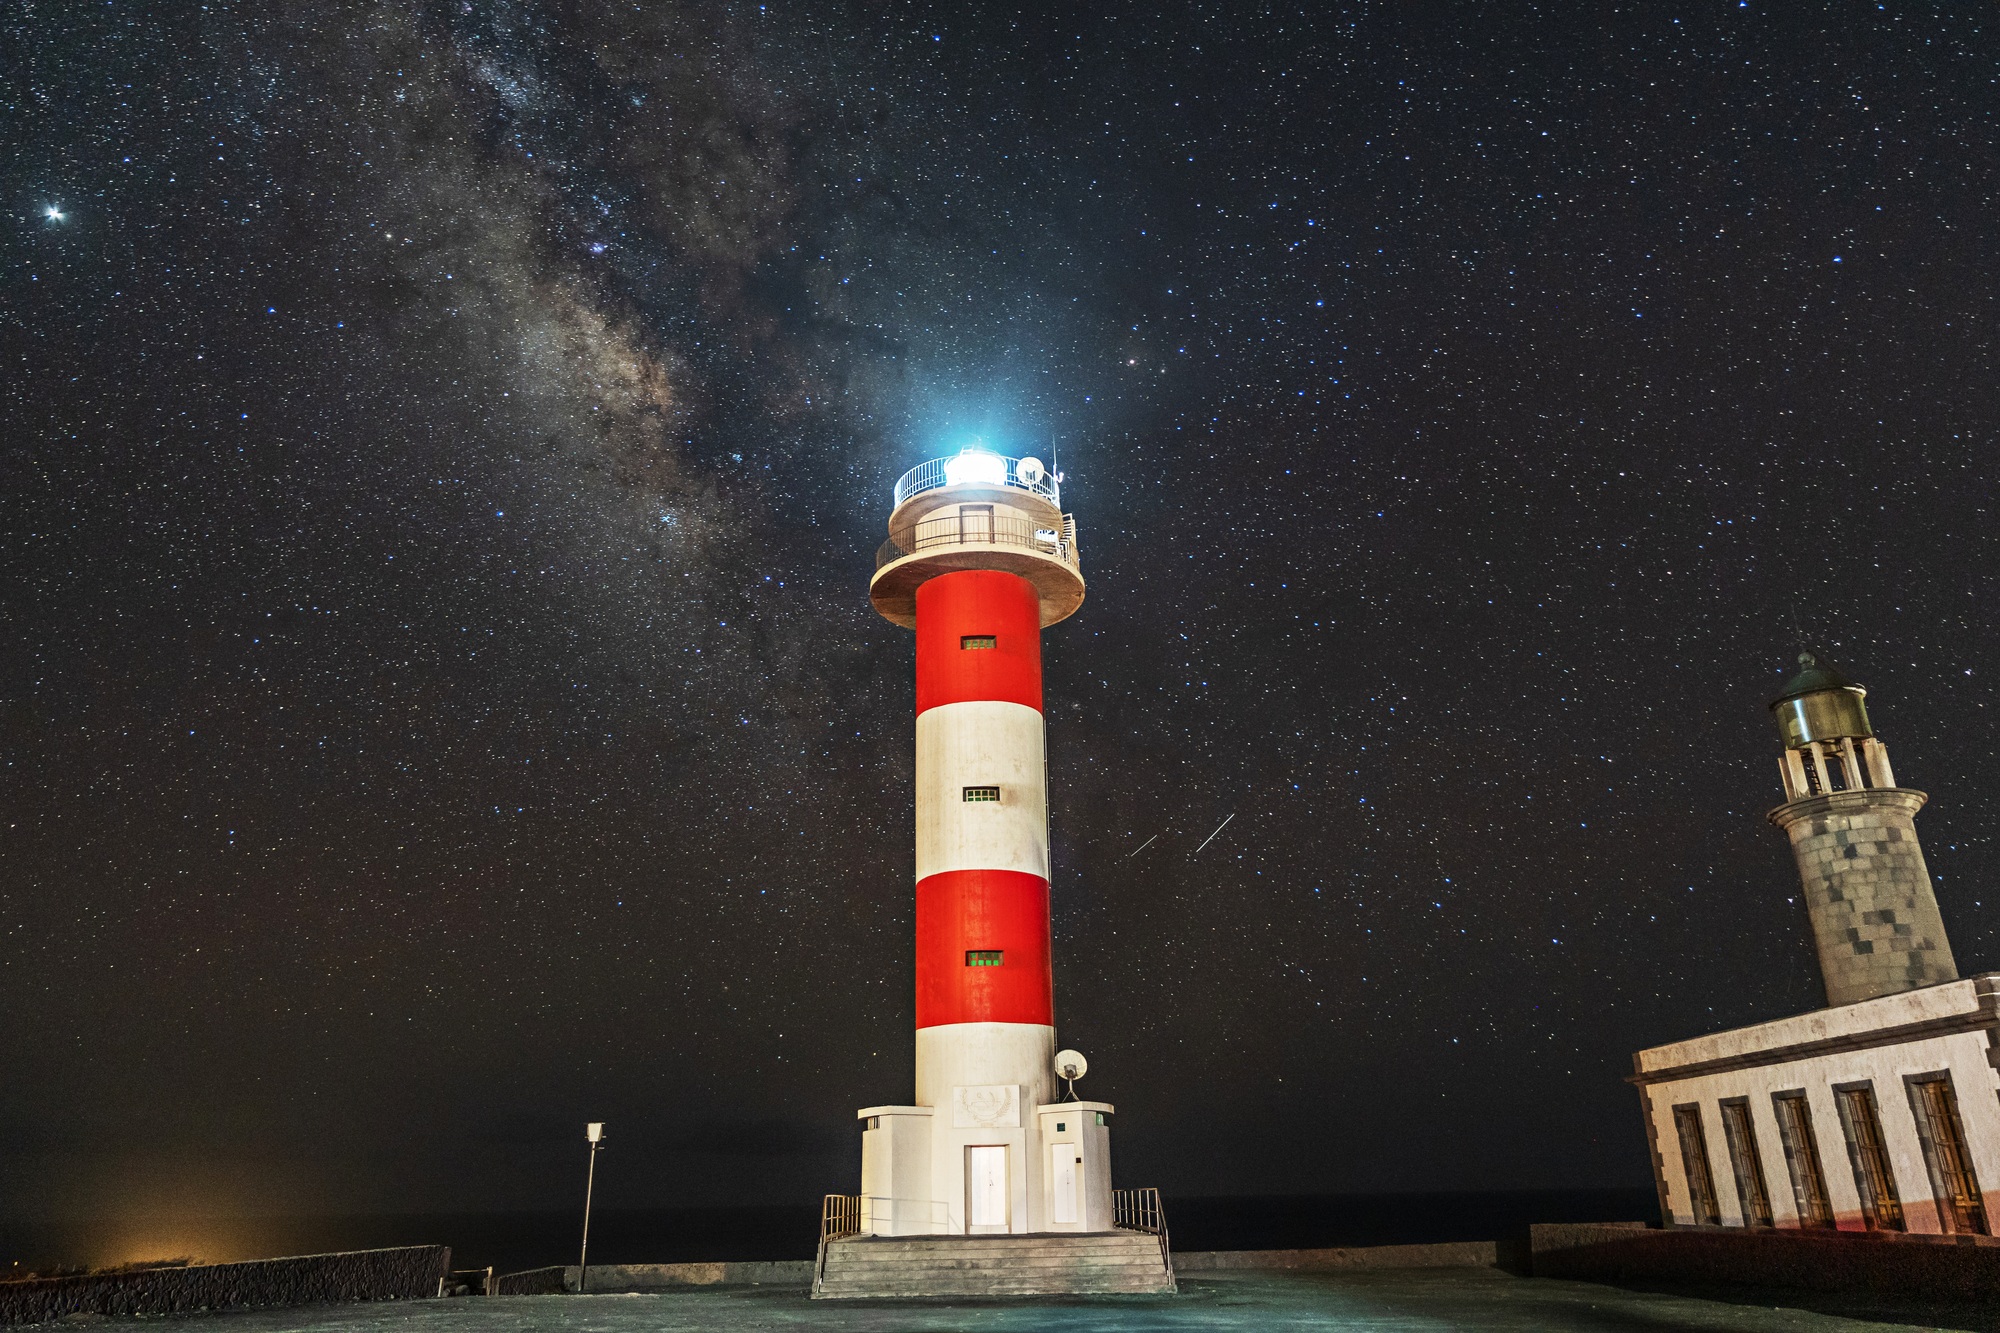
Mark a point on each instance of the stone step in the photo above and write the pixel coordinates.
(933, 1285)
(999, 1263)
(883, 1254)
(1025, 1269)
(872, 1256)
(915, 1289)
(972, 1264)
(1000, 1244)
(1028, 1265)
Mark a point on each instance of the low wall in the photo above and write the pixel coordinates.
(798, 1273)
(405, 1273)
(1452, 1254)
(668, 1277)
(1944, 1268)
(529, 1282)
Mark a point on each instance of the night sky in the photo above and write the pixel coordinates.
(442, 448)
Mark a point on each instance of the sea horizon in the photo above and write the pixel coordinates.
(513, 1240)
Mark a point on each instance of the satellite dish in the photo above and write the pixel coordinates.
(1030, 471)
(1071, 1066)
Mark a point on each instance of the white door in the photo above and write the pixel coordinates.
(986, 1188)
(1065, 1167)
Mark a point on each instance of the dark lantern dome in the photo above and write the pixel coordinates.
(1820, 704)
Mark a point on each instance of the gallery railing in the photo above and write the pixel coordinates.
(839, 1217)
(983, 530)
(991, 469)
(1141, 1210)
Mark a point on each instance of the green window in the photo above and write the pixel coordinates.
(982, 793)
(969, 641)
(982, 957)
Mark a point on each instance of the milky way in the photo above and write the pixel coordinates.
(444, 445)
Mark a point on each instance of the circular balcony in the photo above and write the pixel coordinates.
(1043, 554)
(937, 533)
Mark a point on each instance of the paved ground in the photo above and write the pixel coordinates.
(1409, 1301)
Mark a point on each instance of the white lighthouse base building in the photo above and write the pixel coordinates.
(991, 1192)
(986, 1164)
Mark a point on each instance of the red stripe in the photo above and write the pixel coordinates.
(954, 607)
(962, 910)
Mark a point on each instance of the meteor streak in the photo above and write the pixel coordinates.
(1210, 838)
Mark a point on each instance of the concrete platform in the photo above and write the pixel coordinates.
(1421, 1301)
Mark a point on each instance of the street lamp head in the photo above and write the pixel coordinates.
(594, 1131)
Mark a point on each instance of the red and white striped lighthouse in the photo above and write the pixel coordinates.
(980, 559)
(985, 992)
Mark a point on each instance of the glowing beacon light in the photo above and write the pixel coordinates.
(976, 465)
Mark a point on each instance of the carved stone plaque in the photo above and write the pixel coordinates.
(986, 1106)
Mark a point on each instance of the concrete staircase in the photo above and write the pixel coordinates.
(1045, 1264)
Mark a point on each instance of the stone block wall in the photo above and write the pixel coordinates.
(405, 1273)
(1868, 892)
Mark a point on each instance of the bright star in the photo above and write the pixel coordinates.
(54, 214)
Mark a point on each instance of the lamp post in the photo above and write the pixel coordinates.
(594, 1134)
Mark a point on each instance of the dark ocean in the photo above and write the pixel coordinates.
(510, 1241)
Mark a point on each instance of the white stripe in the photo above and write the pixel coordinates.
(981, 743)
(971, 1054)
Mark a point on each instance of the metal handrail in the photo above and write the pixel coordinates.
(1141, 1210)
(932, 1214)
(983, 530)
(930, 475)
(839, 1217)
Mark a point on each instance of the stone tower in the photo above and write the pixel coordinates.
(1868, 892)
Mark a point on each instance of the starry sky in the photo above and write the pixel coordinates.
(443, 445)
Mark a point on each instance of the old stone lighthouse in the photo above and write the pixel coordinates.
(1880, 1112)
